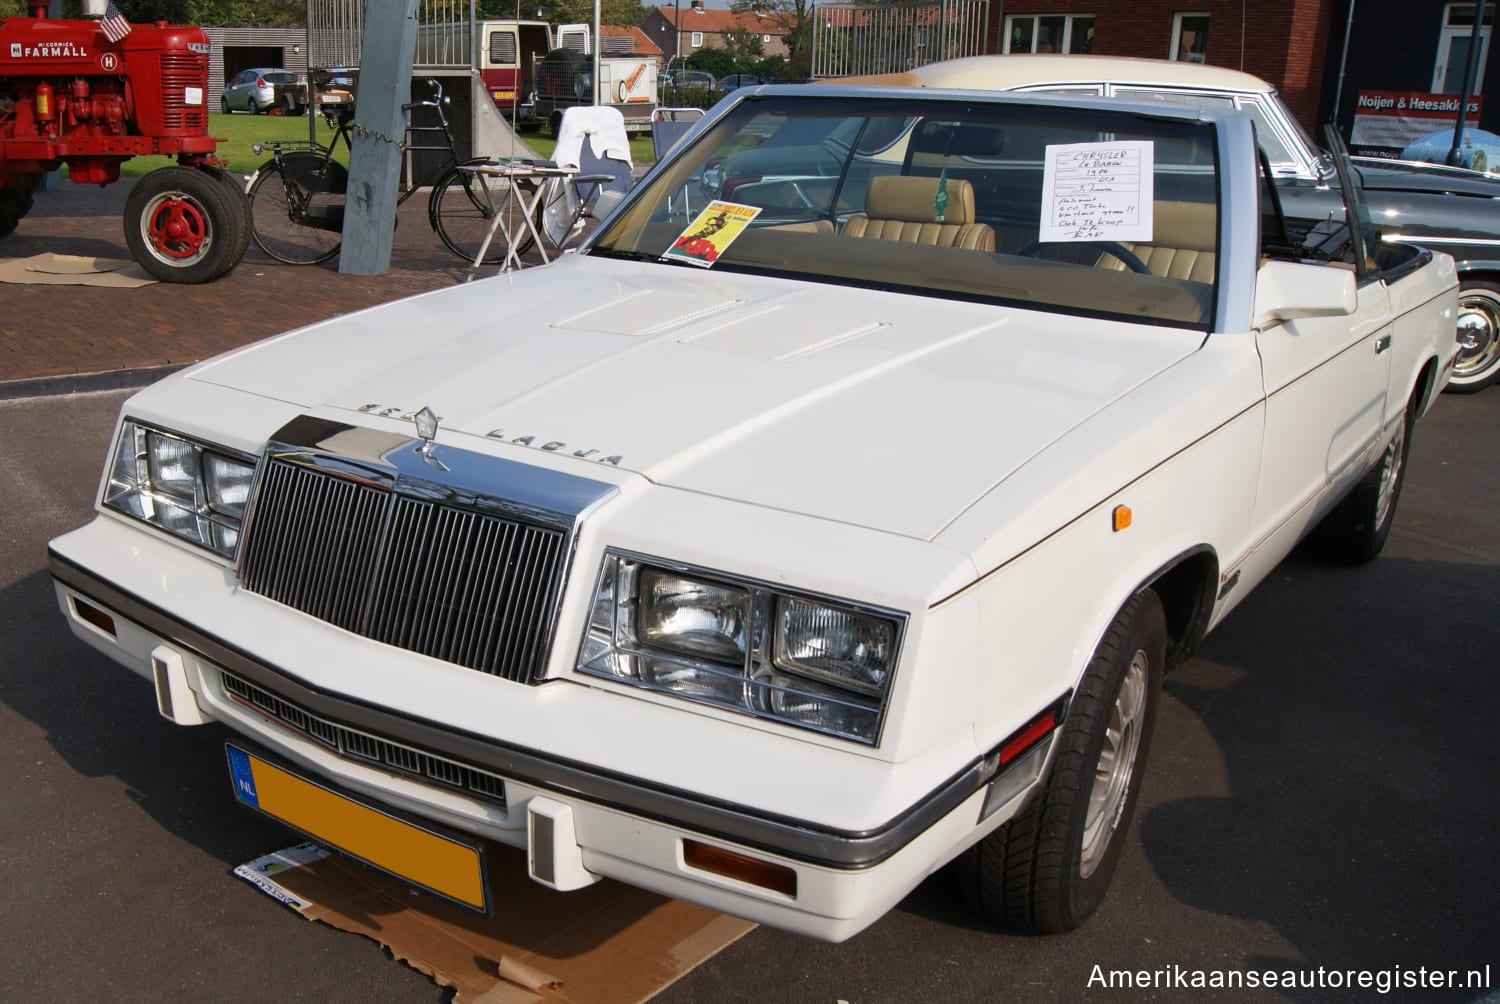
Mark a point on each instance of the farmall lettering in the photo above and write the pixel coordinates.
(49, 50)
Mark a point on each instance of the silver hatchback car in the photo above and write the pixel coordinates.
(262, 89)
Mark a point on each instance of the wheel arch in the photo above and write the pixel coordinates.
(1422, 394)
(1187, 587)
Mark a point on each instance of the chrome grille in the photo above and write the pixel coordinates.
(361, 746)
(445, 580)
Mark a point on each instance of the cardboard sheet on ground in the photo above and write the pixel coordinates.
(607, 943)
(74, 270)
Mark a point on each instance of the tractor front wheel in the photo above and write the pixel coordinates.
(15, 198)
(181, 225)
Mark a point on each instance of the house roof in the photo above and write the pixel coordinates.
(711, 20)
(641, 44)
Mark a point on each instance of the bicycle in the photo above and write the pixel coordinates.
(297, 198)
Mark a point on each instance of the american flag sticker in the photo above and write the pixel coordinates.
(114, 25)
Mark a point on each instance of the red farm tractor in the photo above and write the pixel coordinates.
(93, 93)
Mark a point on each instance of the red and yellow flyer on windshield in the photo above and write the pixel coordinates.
(711, 233)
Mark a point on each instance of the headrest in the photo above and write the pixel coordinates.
(913, 200)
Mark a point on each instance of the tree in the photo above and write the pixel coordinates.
(712, 59)
(793, 20)
(743, 47)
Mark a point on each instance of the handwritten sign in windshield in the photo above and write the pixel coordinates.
(1098, 192)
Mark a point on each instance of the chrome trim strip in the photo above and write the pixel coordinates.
(1423, 239)
(465, 479)
(800, 840)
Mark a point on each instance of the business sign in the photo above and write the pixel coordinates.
(1386, 122)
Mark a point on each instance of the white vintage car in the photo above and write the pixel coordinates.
(800, 535)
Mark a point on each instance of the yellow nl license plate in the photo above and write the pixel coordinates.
(452, 869)
(505, 95)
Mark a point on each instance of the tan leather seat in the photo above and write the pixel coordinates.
(1183, 237)
(902, 208)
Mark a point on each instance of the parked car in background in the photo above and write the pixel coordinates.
(263, 90)
(737, 80)
(1447, 209)
(774, 552)
(676, 83)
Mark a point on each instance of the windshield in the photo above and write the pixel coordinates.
(1080, 210)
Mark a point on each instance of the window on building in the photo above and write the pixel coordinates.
(765, 39)
(1189, 37)
(1453, 47)
(1049, 33)
(696, 39)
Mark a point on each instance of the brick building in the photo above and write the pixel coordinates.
(682, 29)
(1298, 45)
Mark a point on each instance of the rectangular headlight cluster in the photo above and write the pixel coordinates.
(195, 491)
(810, 661)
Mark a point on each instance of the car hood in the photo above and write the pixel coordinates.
(883, 410)
(1414, 176)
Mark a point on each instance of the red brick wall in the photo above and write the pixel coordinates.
(1282, 41)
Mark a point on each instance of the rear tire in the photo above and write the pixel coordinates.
(16, 199)
(181, 225)
(1048, 869)
(1478, 363)
(279, 208)
(462, 211)
(1356, 530)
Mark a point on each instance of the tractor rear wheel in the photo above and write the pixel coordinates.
(182, 225)
(15, 198)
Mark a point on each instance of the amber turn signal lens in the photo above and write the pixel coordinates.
(741, 867)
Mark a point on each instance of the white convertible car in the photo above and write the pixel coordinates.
(803, 533)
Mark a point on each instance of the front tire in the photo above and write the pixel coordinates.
(1048, 869)
(181, 225)
(1478, 363)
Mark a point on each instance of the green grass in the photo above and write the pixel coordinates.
(240, 131)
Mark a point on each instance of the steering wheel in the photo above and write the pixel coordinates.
(1130, 259)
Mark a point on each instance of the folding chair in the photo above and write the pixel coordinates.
(593, 141)
(668, 125)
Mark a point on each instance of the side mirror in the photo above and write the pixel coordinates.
(1286, 290)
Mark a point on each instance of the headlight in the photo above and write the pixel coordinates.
(195, 491)
(811, 661)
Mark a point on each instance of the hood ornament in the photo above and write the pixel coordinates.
(426, 421)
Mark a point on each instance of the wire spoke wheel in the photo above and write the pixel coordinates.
(291, 222)
(463, 210)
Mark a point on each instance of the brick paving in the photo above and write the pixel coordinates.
(59, 331)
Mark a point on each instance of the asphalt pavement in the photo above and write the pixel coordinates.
(1317, 802)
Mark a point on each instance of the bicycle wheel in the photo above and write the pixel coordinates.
(461, 210)
(291, 222)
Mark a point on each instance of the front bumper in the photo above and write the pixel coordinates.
(617, 825)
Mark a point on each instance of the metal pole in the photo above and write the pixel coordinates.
(1338, 92)
(598, 44)
(1455, 156)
